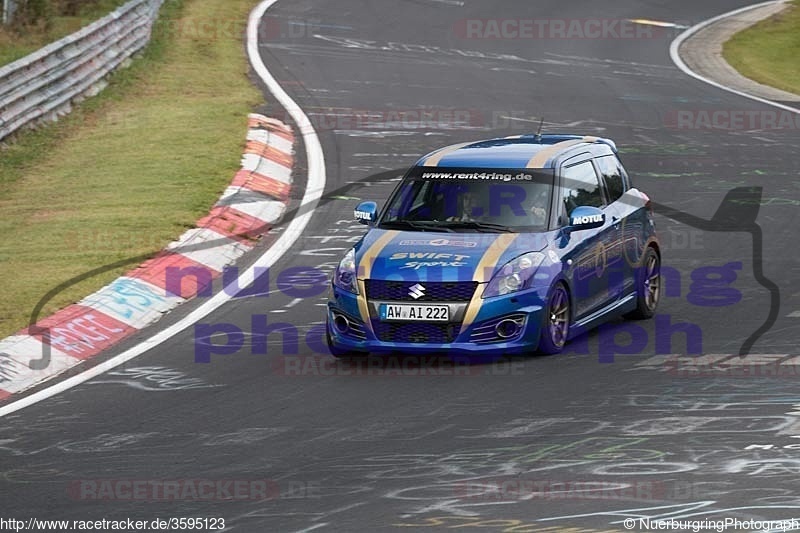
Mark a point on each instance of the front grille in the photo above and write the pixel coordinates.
(439, 291)
(420, 332)
(484, 332)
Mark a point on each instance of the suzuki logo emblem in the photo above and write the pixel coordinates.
(416, 291)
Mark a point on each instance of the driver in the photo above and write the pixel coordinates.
(469, 208)
(537, 208)
(538, 215)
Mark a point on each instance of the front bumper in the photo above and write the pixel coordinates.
(474, 336)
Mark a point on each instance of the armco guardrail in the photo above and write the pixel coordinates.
(44, 85)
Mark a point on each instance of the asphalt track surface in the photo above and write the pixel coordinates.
(569, 441)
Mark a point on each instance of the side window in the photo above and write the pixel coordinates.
(625, 176)
(614, 176)
(422, 196)
(410, 202)
(581, 187)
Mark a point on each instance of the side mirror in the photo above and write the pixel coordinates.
(585, 217)
(366, 212)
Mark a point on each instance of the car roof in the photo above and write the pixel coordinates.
(520, 151)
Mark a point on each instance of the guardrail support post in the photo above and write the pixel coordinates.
(9, 9)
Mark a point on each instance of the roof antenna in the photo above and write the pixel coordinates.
(539, 133)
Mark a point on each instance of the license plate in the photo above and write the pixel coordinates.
(424, 313)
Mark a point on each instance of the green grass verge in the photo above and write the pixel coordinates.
(130, 169)
(17, 44)
(769, 52)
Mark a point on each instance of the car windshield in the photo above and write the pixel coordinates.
(491, 200)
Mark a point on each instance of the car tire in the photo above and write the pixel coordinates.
(648, 286)
(556, 322)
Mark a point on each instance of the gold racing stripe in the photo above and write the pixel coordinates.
(542, 157)
(483, 274)
(366, 262)
(434, 160)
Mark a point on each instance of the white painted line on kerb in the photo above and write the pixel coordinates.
(676, 58)
(313, 192)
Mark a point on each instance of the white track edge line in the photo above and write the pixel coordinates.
(314, 188)
(676, 58)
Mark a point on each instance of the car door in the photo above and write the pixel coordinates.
(620, 272)
(627, 227)
(585, 252)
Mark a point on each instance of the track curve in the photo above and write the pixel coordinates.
(530, 443)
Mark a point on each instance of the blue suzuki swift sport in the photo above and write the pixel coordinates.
(502, 246)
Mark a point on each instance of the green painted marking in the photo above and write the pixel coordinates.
(665, 175)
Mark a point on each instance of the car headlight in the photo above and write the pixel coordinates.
(515, 275)
(345, 275)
